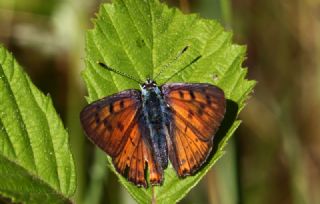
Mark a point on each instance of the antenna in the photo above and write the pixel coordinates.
(120, 73)
(183, 68)
(175, 59)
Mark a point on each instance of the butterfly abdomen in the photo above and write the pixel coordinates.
(155, 118)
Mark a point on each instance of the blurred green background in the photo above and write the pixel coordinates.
(274, 157)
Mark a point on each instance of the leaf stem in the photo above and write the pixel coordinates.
(154, 200)
(98, 176)
(226, 12)
(185, 6)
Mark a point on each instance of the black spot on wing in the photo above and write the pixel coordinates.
(190, 114)
(107, 124)
(208, 100)
(111, 108)
(120, 126)
(201, 108)
(200, 111)
(181, 94)
(121, 104)
(193, 97)
(97, 117)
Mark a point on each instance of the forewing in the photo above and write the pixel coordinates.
(106, 121)
(115, 125)
(197, 112)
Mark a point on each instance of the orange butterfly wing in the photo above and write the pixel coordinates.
(197, 112)
(114, 124)
(135, 154)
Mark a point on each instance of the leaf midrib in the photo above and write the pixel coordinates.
(124, 47)
(19, 115)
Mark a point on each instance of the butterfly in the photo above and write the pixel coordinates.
(145, 129)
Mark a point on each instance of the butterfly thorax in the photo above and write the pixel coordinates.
(156, 113)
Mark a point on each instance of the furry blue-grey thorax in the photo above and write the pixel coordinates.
(156, 114)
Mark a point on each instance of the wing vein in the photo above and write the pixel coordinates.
(199, 149)
(191, 127)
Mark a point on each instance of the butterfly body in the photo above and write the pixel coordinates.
(143, 130)
(156, 115)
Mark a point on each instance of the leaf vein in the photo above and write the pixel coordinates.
(124, 47)
(152, 39)
(14, 103)
(8, 138)
(45, 128)
(101, 75)
(134, 24)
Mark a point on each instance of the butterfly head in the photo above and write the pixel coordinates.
(149, 84)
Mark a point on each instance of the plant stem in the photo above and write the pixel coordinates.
(153, 201)
(226, 13)
(185, 6)
(98, 176)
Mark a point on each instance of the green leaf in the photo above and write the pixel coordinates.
(36, 165)
(140, 37)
